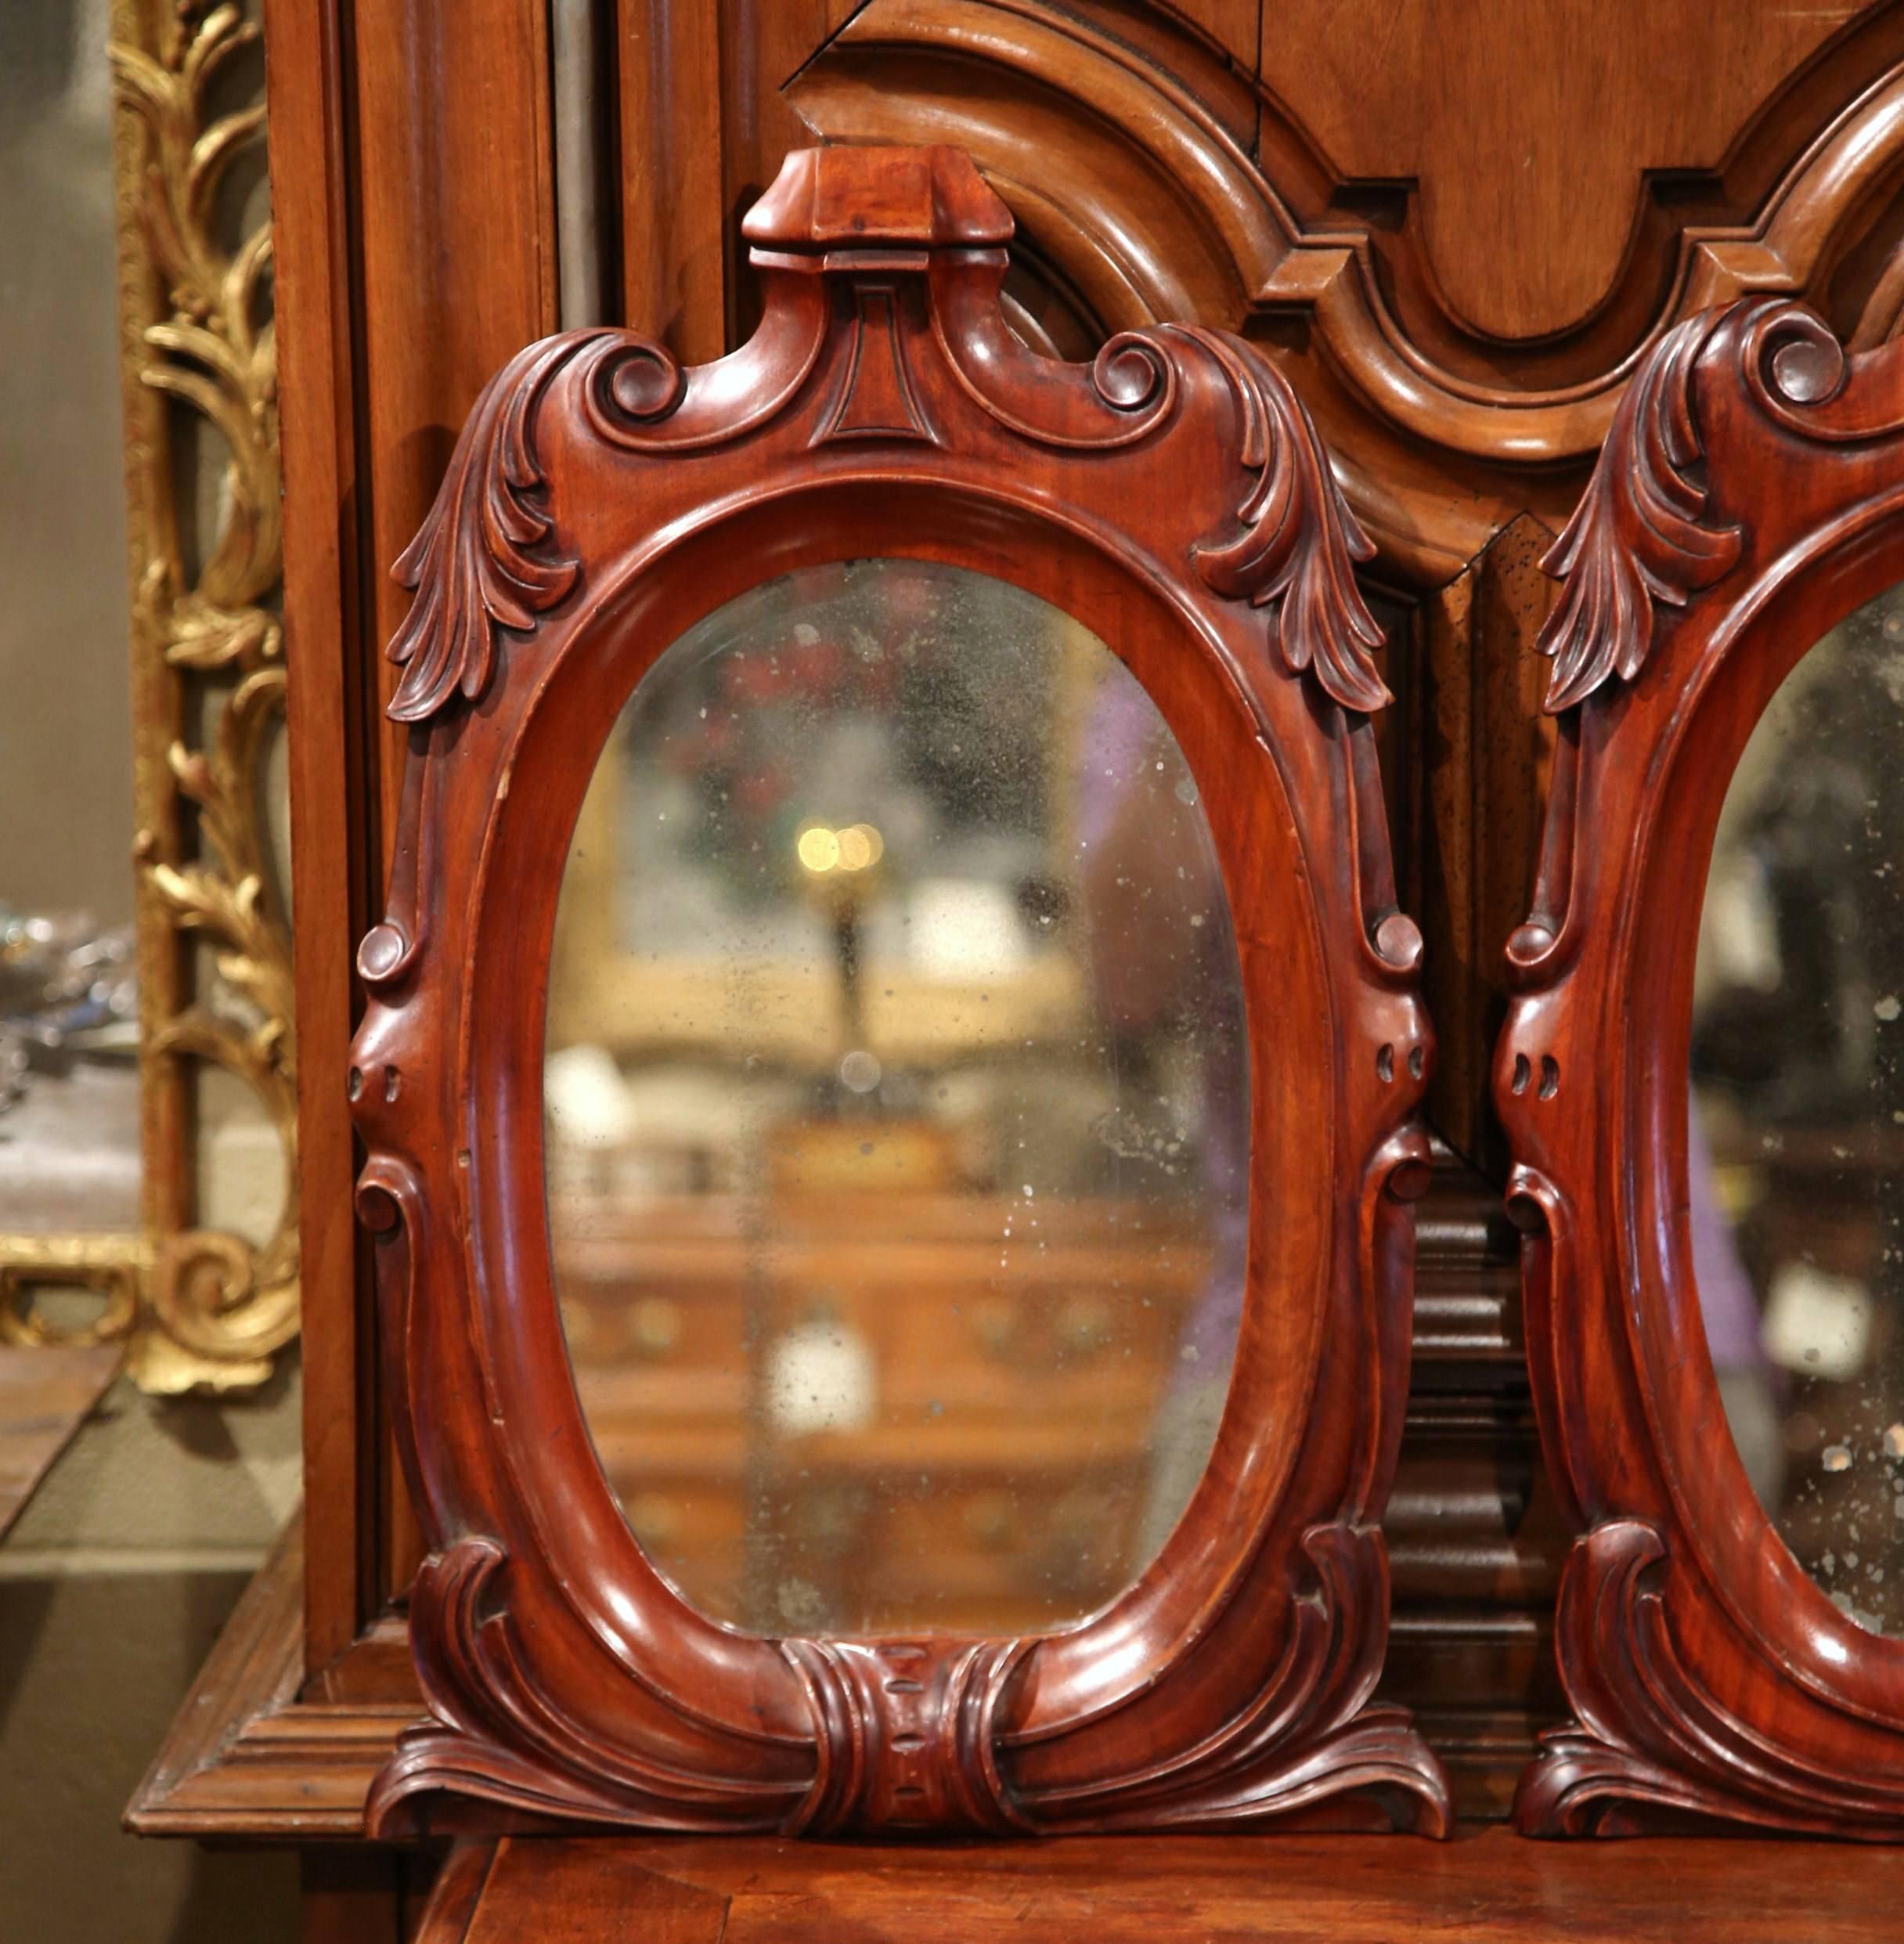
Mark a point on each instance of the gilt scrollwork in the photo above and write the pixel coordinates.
(196, 1307)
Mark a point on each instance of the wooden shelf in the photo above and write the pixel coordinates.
(1492, 1885)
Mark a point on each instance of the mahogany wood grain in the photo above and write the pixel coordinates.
(1218, 1890)
(1436, 93)
(1170, 496)
(458, 95)
(350, 1896)
(1477, 761)
(1147, 163)
(674, 228)
(1445, 432)
(1751, 495)
(45, 1394)
(336, 870)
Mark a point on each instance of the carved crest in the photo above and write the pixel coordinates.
(491, 558)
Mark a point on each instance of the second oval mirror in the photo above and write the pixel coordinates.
(896, 1111)
(1797, 1132)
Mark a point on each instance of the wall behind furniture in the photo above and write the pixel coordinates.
(119, 1574)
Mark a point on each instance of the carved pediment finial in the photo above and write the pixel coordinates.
(878, 198)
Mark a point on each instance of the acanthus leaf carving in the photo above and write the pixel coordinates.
(487, 557)
(1640, 537)
(493, 1736)
(1300, 542)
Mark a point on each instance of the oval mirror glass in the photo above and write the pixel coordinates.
(1796, 1163)
(896, 1112)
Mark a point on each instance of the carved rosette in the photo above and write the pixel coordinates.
(883, 366)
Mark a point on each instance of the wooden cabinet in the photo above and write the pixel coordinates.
(1460, 233)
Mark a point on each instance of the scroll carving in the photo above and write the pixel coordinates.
(1649, 1731)
(1300, 541)
(883, 403)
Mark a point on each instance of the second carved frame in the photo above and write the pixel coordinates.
(1172, 497)
(1750, 497)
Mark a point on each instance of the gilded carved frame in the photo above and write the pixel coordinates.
(1172, 496)
(196, 1307)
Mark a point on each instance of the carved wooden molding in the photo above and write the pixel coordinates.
(1172, 496)
(1091, 131)
(1753, 497)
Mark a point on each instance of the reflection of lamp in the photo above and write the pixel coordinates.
(839, 866)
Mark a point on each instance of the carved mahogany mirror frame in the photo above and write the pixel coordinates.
(1173, 498)
(1750, 497)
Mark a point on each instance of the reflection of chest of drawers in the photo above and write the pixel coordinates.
(843, 1413)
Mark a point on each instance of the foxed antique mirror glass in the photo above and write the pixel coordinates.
(1796, 1170)
(896, 1104)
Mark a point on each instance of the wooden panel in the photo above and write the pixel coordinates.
(350, 1896)
(1501, 115)
(1479, 752)
(1347, 1890)
(454, 1897)
(457, 253)
(674, 229)
(45, 1395)
(334, 786)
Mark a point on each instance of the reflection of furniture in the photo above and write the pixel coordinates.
(1814, 1196)
(1029, 1399)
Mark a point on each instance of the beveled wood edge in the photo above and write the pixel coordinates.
(245, 1756)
